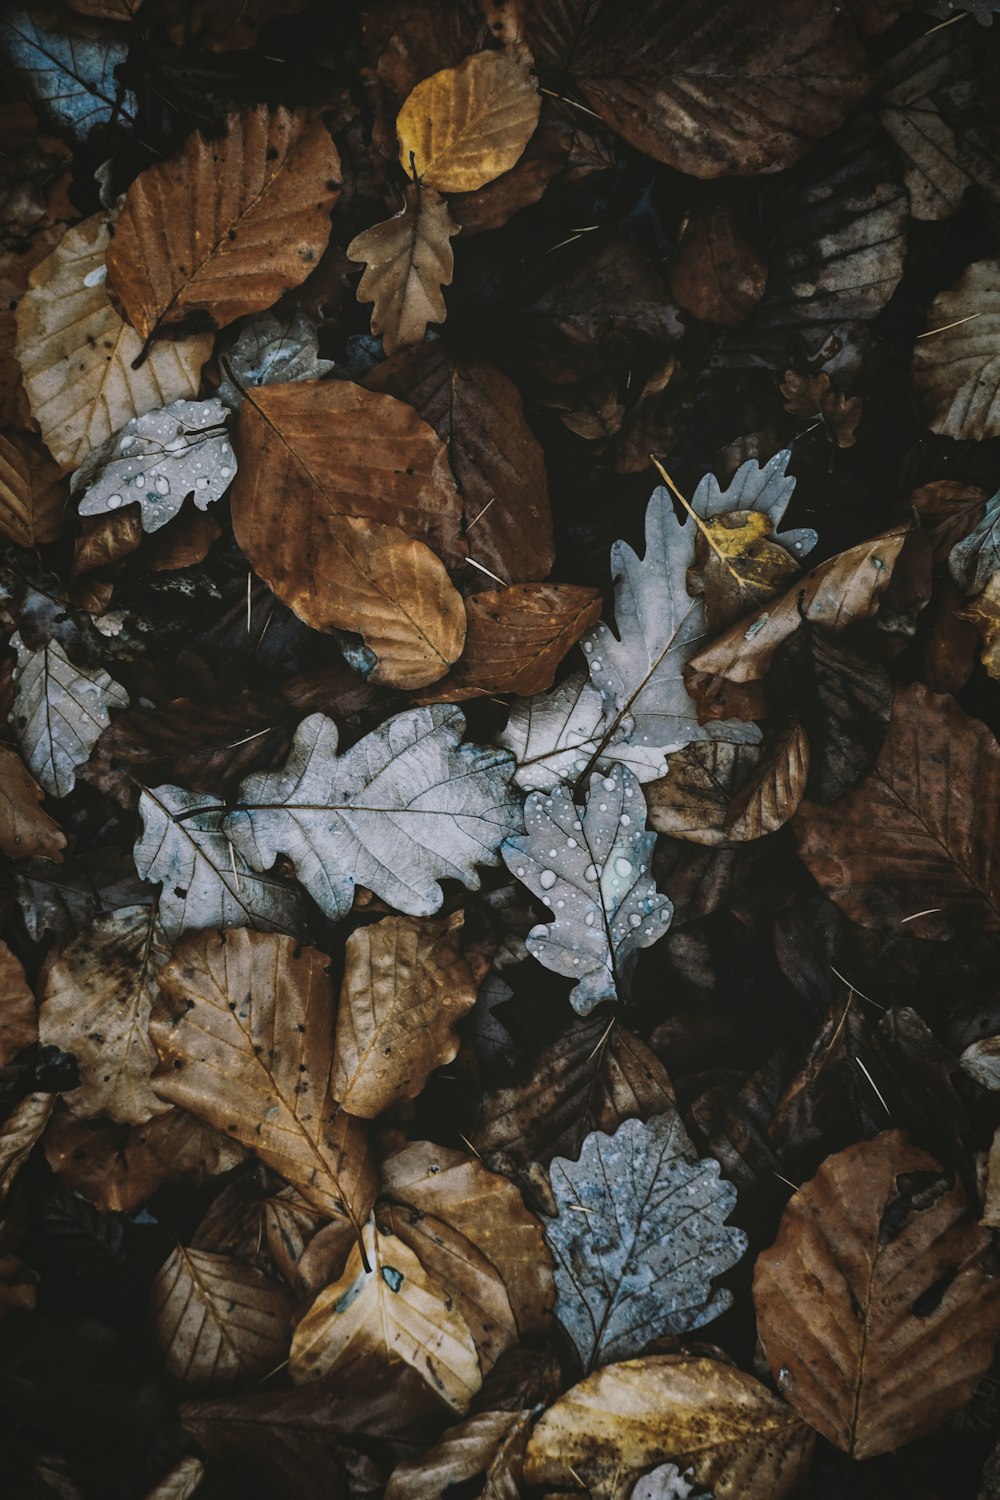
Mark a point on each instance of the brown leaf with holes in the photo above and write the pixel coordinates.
(878, 1304)
(406, 985)
(26, 831)
(226, 226)
(244, 1029)
(408, 260)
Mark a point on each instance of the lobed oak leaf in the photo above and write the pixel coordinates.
(975, 557)
(408, 260)
(464, 126)
(59, 712)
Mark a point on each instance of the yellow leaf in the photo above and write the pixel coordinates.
(464, 126)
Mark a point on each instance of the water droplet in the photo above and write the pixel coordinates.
(560, 905)
(577, 825)
(623, 866)
(591, 872)
(589, 919)
(201, 483)
(553, 853)
(162, 484)
(225, 448)
(225, 471)
(597, 665)
(624, 820)
(547, 879)
(609, 784)
(140, 481)
(588, 647)
(635, 920)
(519, 872)
(571, 843)
(113, 502)
(602, 806)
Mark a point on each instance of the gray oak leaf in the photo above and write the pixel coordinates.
(59, 713)
(639, 1237)
(592, 872)
(765, 488)
(157, 460)
(406, 807)
(206, 882)
(666, 1482)
(974, 559)
(71, 76)
(267, 348)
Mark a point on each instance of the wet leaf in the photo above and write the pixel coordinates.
(19, 1132)
(33, 501)
(59, 712)
(218, 1322)
(228, 225)
(26, 830)
(716, 274)
(491, 1444)
(464, 126)
(956, 369)
(267, 349)
(71, 74)
(408, 260)
(908, 1312)
(18, 1011)
(184, 1478)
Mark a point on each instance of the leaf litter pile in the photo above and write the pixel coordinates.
(499, 787)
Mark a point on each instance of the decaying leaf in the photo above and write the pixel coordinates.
(464, 126)
(33, 502)
(877, 1304)
(716, 274)
(916, 841)
(249, 1017)
(59, 713)
(975, 557)
(79, 357)
(392, 1311)
(813, 398)
(408, 260)
(71, 75)
(692, 800)
(638, 1239)
(737, 1439)
(18, 1011)
(956, 368)
(491, 1443)
(218, 1322)
(26, 830)
(399, 811)
(96, 1004)
(19, 1131)
(228, 225)
(184, 1479)
(406, 985)
(157, 461)
(592, 872)
(267, 349)
(773, 790)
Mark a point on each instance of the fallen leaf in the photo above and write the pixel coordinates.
(406, 985)
(730, 94)
(403, 808)
(71, 74)
(736, 1438)
(984, 612)
(19, 1132)
(18, 1011)
(205, 881)
(593, 873)
(665, 1482)
(956, 369)
(165, 456)
(218, 1322)
(491, 1444)
(391, 1311)
(638, 1238)
(33, 501)
(229, 224)
(975, 557)
(267, 349)
(916, 840)
(495, 457)
(59, 712)
(772, 792)
(464, 126)
(26, 830)
(982, 1062)
(515, 639)
(716, 274)
(812, 397)
(78, 356)
(909, 1310)
(185, 1477)
(408, 260)
(220, 994)
(96, 1004)
(737, 566)
(692, 800)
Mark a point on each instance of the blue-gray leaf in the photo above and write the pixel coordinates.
(71, 77)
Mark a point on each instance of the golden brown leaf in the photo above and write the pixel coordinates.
(18, 1134)
(491, 1443)
(104, 541)
(226, 226)
(812, 398)
(877, 1304)
(515, 639)
(26, 830)
(183, 1480)
(692, 801)
(956, 366)
(772, 792)
(741, 1442)
(249, 1018)
(409, 259)
(218, 1322)
(334, 550)
(916, 841)
(405, 986)
(33, 499)
(96, 1004)
(464, 126)
(18, 1011)
(391, 1312)
(737, 566)
(717, 274)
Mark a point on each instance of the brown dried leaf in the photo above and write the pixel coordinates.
(78, 356)
(226, 226)
(18, 1134)
(737, 566)
(119, 1166)
(218, 1322)
(184, 1478)
(409, 259)
(984, 612)
(464, 126)
(918, 838)
(352, 468)
(515, 639)
(18, 1011)
(249, 1018)
(836, 593)
(33, 499)
(741, 1442)
(692, 801)
(772, 792)
(96, 1003)
(495, 457)
(716, 275)
(877, 1304)
(592, 1077)
(391, 1312)
(104, 541)
(712, 92)
(405, 986)
(491, 1444)
(956, 364)
(438, 1187)
(25, 830)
